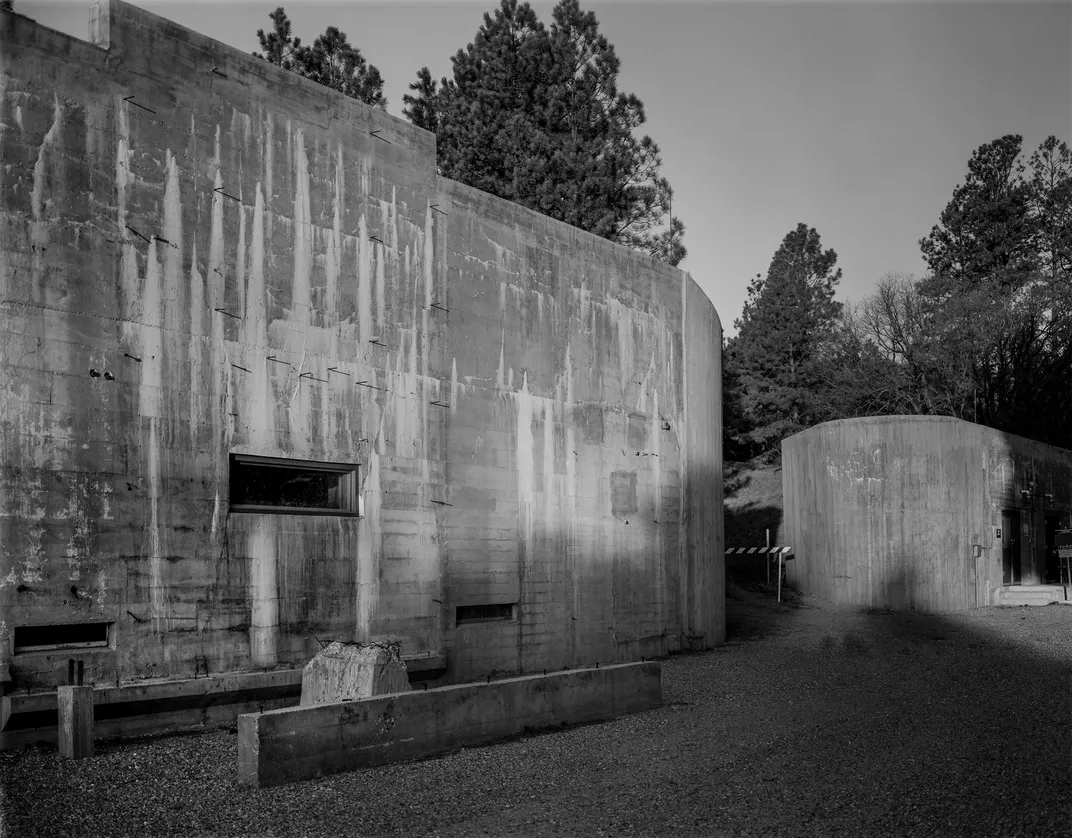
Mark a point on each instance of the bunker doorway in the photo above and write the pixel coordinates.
(1011, 571)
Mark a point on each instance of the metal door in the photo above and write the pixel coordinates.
(1010, 548)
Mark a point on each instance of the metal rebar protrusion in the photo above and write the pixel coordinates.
(435, 208)
(217, 71)
(378, 342)
(442, 503)
(239, 367)
(136, 233)
(310, 376)
(376, 239)
(376, 134)
(337, 370)
(136, 104)
(441, 308)
(132, 357)
(276, 360)
(226, 194)
(224, 311)
(165, 241)
(440, 404)
(370, 386)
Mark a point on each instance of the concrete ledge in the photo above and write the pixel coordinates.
(301, 743)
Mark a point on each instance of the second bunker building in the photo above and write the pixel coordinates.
(921, 512)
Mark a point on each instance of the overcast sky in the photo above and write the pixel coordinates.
(857, 118)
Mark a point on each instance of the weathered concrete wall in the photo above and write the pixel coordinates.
(886, 511)
(303, 743)
(205, 255)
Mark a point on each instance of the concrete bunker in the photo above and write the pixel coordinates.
(267, 378)
(924, 512)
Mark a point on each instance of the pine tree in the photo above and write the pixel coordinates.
(278, 45)
(985, 233)
(786, 327)
(533, 114)
(331, 60)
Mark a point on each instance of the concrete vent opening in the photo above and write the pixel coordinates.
(67, 636)
(303, 487)
(484, 613)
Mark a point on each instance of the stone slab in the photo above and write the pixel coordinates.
(349, 671)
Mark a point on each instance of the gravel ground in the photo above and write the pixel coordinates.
(809, 721)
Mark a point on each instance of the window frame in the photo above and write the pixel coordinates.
(351, 505)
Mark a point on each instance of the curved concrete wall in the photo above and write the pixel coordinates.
(888, 511)
(205, 255)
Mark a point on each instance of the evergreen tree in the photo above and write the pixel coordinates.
(1000, 293)
(985, 233)
(7, 5)
(278, 45)
(331, 60)
(783, 338)
(533, 114)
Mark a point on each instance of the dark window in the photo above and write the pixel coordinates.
(267, 484)
(484, 613)
(69, 636)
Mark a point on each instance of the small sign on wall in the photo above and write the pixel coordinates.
(997, 533)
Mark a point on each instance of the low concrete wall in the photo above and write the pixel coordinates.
(302, 743)
(161, 706)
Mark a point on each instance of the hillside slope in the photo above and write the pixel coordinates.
(752, 494)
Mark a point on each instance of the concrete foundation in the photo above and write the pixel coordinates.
(302, 743)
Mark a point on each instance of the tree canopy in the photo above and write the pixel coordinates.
(773, 366)
(986, 335)
(533, 114)
(331, 60)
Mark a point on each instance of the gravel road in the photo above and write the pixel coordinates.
(810, 721)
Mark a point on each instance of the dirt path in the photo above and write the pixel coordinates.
(809, 721)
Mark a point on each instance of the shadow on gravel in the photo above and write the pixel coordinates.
(918, 723)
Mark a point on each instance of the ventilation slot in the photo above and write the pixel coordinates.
(484, 613)
(297, 487)
(68, 636)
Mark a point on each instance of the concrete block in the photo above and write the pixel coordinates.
(75, 705)
(348, 671)
(301, 743)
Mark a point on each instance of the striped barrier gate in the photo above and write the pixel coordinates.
(782, 554)
(773, 552)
